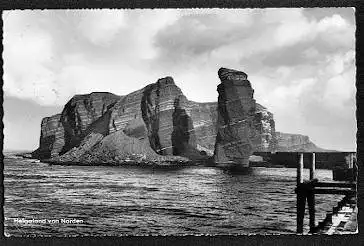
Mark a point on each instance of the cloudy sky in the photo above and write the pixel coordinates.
(301, 62)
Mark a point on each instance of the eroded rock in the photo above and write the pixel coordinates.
(158, 112)
(235, 126)
(80, 112)
(80, 116)
(51, 138)
(265, 140)
(160, 116)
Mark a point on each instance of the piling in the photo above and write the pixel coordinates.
(300, 169)
(301, 196)
(313, 166)
(306, 190)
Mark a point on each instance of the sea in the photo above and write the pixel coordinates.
(55, 200)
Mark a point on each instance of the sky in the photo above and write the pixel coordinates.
(300, 62)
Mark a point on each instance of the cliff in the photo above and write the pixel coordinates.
(144, 125)
(265, 125)
(159, 123)
(287, 142)
(62, 132)
(204, 118)
(157, 113)
(81, 112)
(51, 138)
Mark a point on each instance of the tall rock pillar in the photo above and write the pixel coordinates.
(235, 126)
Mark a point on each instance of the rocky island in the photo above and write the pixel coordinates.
(159, 125)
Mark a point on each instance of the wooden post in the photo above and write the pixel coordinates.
(301, 203)
(313, 166)
(300, 169)
(311, 195)
(351, 160)
(311, 210)
(301, 195)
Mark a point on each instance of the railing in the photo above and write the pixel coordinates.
(306, 192)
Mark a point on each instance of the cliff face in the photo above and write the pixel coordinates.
(295, 142)
(157, 113)
(61, 132)
(204, 118)
(80, 112)
(265, 125)
(51, 138)
(235, 125)
(158, 120)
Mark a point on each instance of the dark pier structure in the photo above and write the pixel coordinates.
(342, 161)
(306, 191)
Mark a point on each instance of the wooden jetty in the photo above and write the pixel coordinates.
(306, 191)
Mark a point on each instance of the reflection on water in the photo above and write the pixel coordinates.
(131, 200)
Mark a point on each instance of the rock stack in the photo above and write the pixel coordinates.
(235, 125)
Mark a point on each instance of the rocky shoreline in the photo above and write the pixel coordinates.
(165, 161)
(126, 163)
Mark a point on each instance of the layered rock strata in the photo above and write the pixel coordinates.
(157, 115)
(235, 125)
(156, 112)
(265, 125)
(51, 138)
(204, 118)
(159, 119)
(62, 132)
(81, 112)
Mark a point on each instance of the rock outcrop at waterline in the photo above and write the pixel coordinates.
(157, 123)
(235, 125)
(51, 138)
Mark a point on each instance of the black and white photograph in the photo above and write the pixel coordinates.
(175, 122)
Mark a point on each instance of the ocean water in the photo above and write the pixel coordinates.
(145, 201)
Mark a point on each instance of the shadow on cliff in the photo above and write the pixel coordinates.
(74, 138)
(45, 154)
(150, 115)
(182, 124)
(183, 137)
